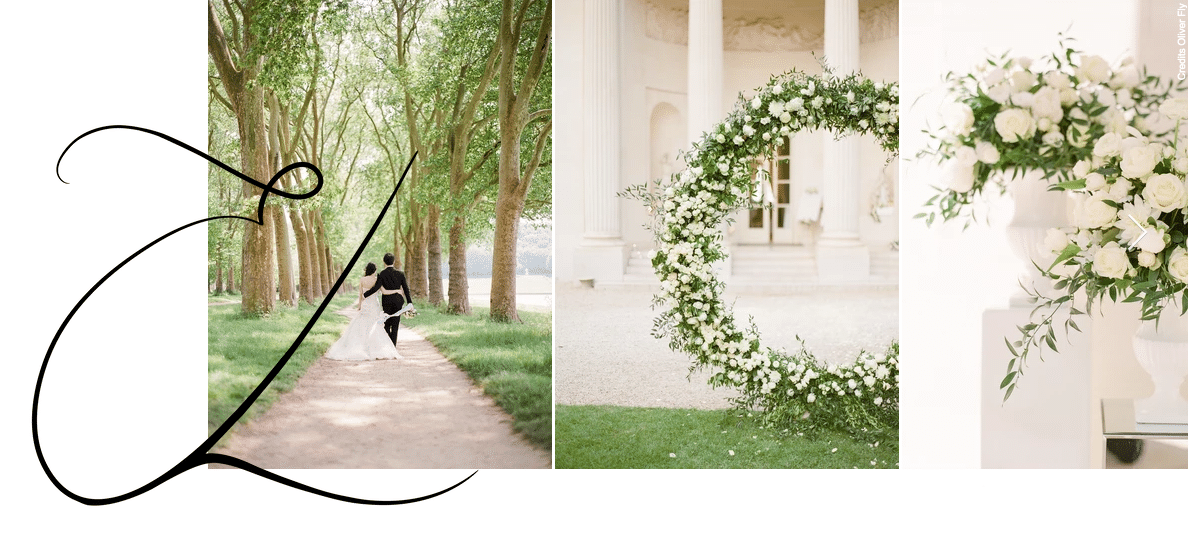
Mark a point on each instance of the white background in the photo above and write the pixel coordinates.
(124, 396)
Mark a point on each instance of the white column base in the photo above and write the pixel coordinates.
(842, 261)
(1047, 421)
(600, 260)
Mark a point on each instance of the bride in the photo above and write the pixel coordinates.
(365, 339)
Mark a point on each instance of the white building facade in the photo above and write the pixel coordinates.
(637, 81)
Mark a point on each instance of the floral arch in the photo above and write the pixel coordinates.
(692, 206)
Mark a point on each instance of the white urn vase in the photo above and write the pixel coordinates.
(1161, 348)
(1036, 211)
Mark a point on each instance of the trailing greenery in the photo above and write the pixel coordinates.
(606, 437)
(242, 350)
(510, 362)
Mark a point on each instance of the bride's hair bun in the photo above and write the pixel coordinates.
(370, 269)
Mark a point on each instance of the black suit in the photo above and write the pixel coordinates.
(393, 280)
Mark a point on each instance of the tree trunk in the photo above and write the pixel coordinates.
(300, 231)
(329, 276)
(435, 284)
(400, 258)
(257, 250)
(317, 270)
(416, 269)
(231, 287)
(458, 274)
(286, 275)
(219, 278)
(506, 236)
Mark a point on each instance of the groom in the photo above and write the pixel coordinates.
(391, 281)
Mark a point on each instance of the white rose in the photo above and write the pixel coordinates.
(1153, 241)
(1138, 162)
(1081, 168)
(1165, 192)
(1057, 80)
(1119, 190)
(987, 152)
(1178, 265)
(1107, 145)
(1094, 213)
(1105, 96)
(1124, 98)
(994, 77)
(957, 117)
(1000, 93)
(1055, 241)
(1126, 77)
(1047, 104)
(755, 103)
(1068, 96)
(1093, 68)
(1146, 259)
(1022, 81)
(1014, 124)
(1022, 99)
(1053, 138)
(1095, 181)
(1175, 108)
(1111, 261)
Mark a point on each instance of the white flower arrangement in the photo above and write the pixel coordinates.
(717, 181)
(1128, 242)
(1016, 115)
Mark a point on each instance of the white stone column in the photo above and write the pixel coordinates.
(600, 256)
(705, 83)
(705, 66)
(841, 255)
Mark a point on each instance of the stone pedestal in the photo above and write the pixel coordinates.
(600, 260)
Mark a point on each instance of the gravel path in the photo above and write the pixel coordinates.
(605, 354)
(419, 411)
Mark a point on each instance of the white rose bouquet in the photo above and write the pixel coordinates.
(1019, 114)
(1128, 242)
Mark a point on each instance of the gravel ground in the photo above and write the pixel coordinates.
(605, 354)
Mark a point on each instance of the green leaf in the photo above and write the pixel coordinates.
(1008, 380)
(1067, 253)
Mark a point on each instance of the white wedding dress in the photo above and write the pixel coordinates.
(365, 338)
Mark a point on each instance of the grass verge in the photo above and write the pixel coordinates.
(608, 437)
(510, 362)
(242, 350)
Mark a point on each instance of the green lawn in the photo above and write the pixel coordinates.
(510, 361)
(242, 350)
(607, 437)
